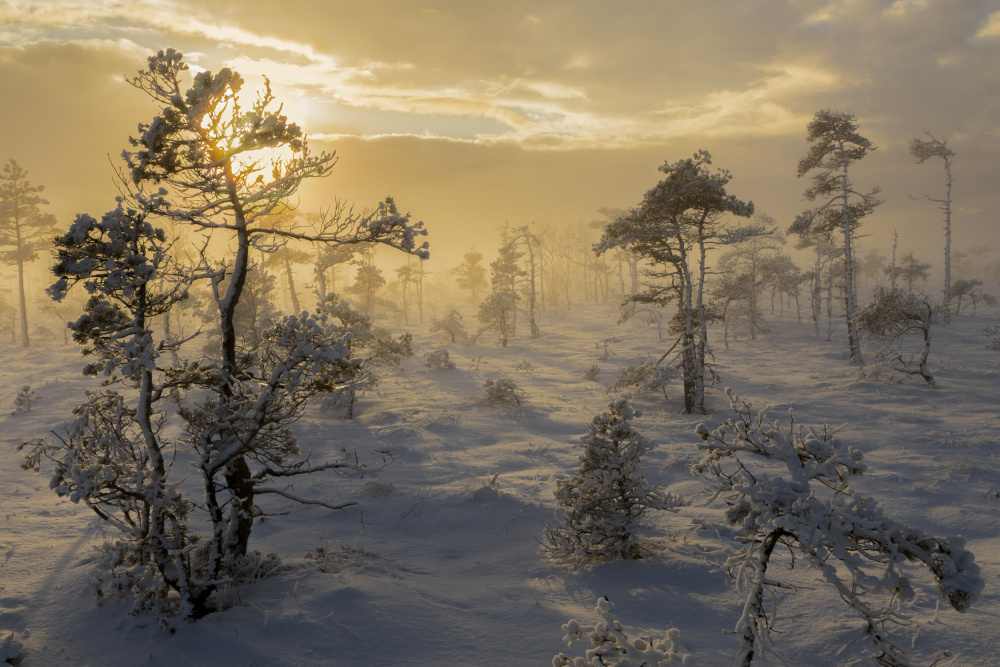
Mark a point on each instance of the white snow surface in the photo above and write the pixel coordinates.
(441, 565)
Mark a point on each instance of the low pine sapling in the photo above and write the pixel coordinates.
(613, 647)
(501, 391)
(789, 487)
(24, 399)
(603, 504)
(438, 359)
(644, 378)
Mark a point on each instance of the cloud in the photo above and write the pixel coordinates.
(530, 21)
(991, 27)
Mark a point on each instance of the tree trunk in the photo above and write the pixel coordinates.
(296, 307)
(853, 340)
(25, 341)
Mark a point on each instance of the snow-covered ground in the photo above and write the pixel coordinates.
(441, 565)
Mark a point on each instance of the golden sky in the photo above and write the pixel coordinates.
(475, 113)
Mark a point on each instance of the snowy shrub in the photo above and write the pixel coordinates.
(888, 318)
(334, 559)
(438, 360)
(524, 366)
(611, 644)
(603, 504)
(24, 399)
(605, 345)
(501, 391)
(789, 488)
(592, 373)
(641, 379)
(994, 334)
(450, 325)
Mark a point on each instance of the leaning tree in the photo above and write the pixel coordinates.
(835, 145)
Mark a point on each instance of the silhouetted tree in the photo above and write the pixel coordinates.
(24, 229)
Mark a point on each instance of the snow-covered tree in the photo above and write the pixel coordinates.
(498, 312)
(968, 290)
(450, 325)
(368, 281)
(911, 269)
(922, 150)
(872, 265)
(24, 229)
(674, 227)
(114, 456)
(889, 318)
(329, 259)
(834, 146)
(208, 162)
(407, 275)
(471, 274)
(604, 502)
(790, 487)
(749, 260)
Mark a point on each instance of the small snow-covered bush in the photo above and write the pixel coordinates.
(605, 344)
(888, 319)
(642, 379)
(603, 504)
(501, 391)
(592, 373)
(24, 399)
(438, 359)
(790, 488)
(612, 646)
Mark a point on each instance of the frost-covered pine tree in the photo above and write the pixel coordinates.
(679, 220)
(498, 312)
(834, 146)
(604, 502)
(222, 168)
(789, 488)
